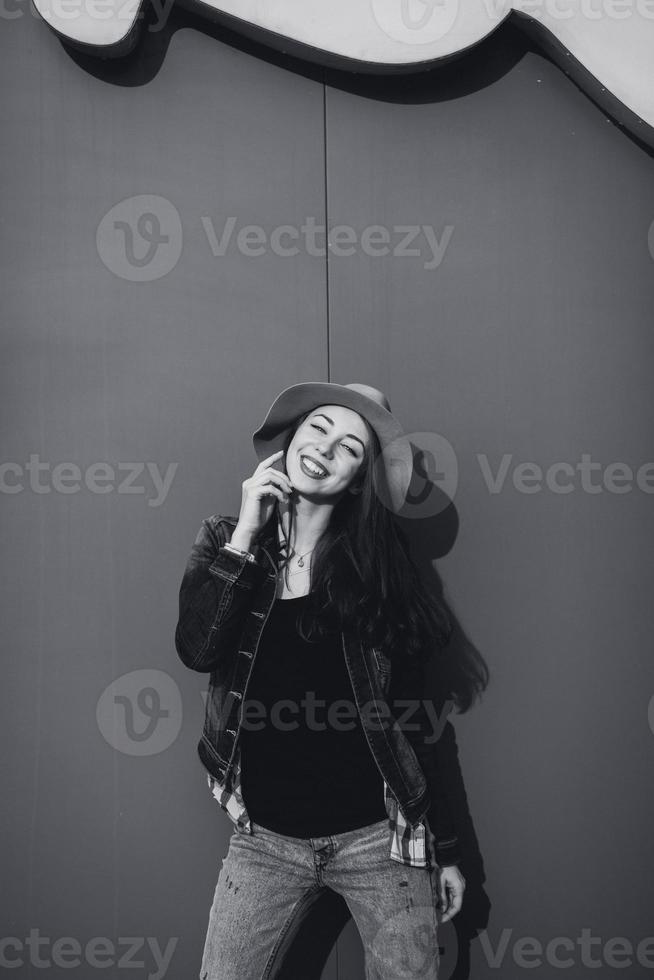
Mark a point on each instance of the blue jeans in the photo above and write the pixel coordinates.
(268, 881)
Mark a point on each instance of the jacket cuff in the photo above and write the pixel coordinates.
(238, 551)
(447, 852)
(236, 567)
(446, 843)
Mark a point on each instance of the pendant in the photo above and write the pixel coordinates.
(300, 562)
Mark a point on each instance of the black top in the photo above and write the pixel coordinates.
(306, 770)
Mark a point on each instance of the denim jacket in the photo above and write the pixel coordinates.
(224, 602)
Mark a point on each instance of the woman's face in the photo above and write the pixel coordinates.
(327, 451)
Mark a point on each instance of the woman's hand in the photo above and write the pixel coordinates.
(451, 885)
(258, 497)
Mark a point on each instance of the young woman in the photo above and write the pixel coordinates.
(311, 602)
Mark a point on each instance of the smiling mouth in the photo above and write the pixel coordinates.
(314, 470)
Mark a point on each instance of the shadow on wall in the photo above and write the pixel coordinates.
(461, 667)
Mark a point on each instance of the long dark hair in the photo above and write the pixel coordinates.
(362, 575)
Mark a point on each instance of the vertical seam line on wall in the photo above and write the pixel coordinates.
(329, 367)
(326, 210)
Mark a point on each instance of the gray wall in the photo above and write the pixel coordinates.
(531, 338)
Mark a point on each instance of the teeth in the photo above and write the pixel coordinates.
(312, 466)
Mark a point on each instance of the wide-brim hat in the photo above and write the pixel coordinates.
(396, 458)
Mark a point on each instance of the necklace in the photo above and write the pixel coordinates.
(300, 558)
(301, 571)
